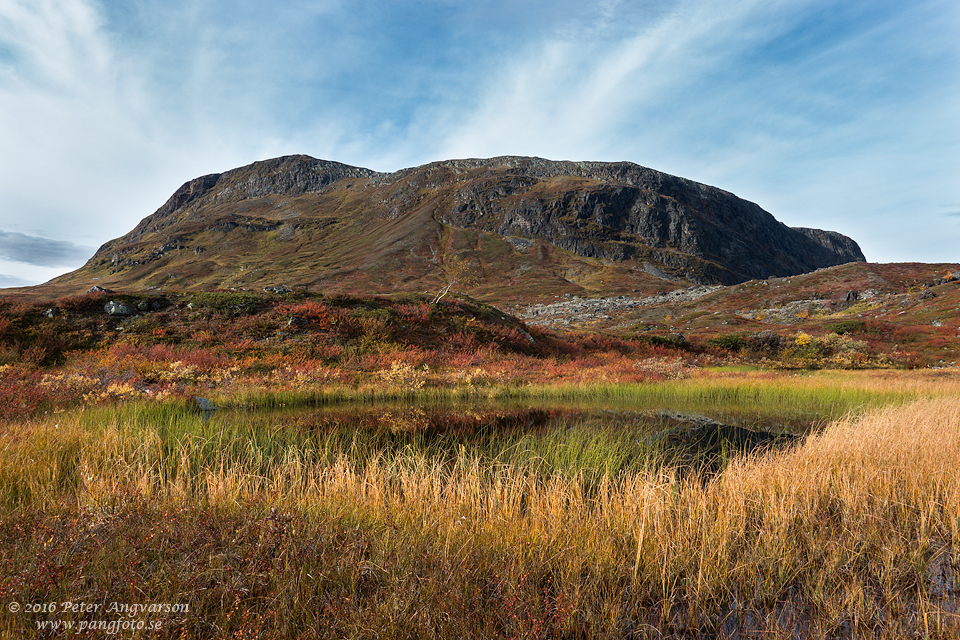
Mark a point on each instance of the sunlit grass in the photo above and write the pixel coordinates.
(268, 527)
(761, 398)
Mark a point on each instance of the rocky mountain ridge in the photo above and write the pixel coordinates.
(518, 222)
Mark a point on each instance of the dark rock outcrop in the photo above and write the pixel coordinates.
(287, 175)
(616, 210)
(833, 244)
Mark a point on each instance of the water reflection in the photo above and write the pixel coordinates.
(463, 418)
(572, 437)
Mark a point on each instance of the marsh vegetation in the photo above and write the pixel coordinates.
(354, 485)
(542, 513)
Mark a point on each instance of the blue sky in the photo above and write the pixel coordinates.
(841, 115)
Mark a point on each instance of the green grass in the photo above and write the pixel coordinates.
(805, 396)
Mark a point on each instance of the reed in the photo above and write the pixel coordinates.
(270, 531)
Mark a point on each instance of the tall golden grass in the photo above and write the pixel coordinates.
(853, 533)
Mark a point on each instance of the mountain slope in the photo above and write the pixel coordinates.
(523, 227)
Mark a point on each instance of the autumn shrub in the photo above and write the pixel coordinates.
(830, 350)
(349, 325)
(404, 376)
(9, 354)
(853, 325)
(83, 302)
(25, 391)
(663, 368)
(729, 342)
(317, 315)
(416, 357)
(673, 341)
(415, 314)
(765, 343)
(512, 338)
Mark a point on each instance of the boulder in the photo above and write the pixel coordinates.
(115, 308)
(281, 289)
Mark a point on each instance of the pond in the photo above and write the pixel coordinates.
(593, 435)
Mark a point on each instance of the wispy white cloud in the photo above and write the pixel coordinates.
(20, 274)
(827, 113)
(823, 114)
(75, 121)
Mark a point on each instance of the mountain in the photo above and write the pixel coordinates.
(520, 227)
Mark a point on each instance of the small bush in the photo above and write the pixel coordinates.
(765, 342)
(672, 341)
(416, 314)
(729, 342)
(244, 302)
(315, 314)
(83, 301)
(847, 326)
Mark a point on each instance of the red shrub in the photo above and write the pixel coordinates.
(414, 313)
(74, 303)
(317, 314)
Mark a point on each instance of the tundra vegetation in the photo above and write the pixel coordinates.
(387, 467)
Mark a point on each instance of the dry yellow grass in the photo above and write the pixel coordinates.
(854, 532)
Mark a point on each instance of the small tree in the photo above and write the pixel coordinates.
(457, 271)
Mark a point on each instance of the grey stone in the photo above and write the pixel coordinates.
(520, 244)
(657, 273)
(575, 309)
(281, 289)
(115, 308)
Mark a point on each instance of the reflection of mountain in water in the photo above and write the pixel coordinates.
(566, 437)
(699, 438)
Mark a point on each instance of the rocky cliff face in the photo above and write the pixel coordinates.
(330, 219)
(617, 211)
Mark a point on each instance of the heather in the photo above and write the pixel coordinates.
(70, 352)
